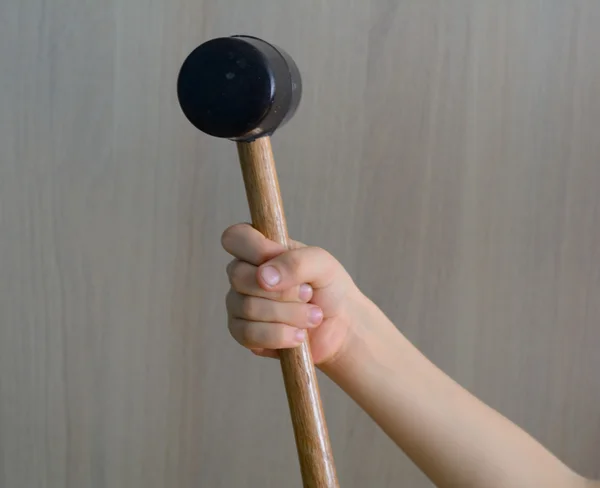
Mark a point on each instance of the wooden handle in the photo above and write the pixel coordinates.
(310, 429)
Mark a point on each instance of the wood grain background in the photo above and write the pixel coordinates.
(447, 152)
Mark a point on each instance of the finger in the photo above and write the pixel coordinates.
(265, 353)
(311, 265)
(300, 315)
(242, 277)
(247, 244)
(263, 335)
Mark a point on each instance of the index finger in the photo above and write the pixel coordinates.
(247, 244)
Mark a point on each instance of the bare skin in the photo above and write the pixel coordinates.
(278, 297)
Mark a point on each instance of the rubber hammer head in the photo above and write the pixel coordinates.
(239, 88)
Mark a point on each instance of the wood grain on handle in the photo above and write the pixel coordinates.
(310, 429)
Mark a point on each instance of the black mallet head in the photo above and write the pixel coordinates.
(239, 88)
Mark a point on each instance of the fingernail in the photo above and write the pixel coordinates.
(305, 292)
(270, 275)
(315, 315)
(300, 335)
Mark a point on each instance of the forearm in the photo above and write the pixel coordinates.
(453, 437)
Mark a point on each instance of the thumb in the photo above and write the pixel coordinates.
(311, 265)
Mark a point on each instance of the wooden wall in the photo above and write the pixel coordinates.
(447, 152)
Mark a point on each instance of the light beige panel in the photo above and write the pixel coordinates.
(447, 152)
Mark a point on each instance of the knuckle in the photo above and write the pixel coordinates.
(294, 262)
(229, 298)
(227, 237)
(231, 234)
(288, 295)
(243, 332)
(233, 326)
(234, 272)
(275, 296)
(321, 253)
(330, 265)
(249, 306)
(254, 336)
(280, 334)
(246, 335)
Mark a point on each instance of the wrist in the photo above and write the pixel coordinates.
(368, 332)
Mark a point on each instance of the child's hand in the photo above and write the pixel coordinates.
(277, 296)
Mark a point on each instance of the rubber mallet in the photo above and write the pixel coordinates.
(242, 88)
